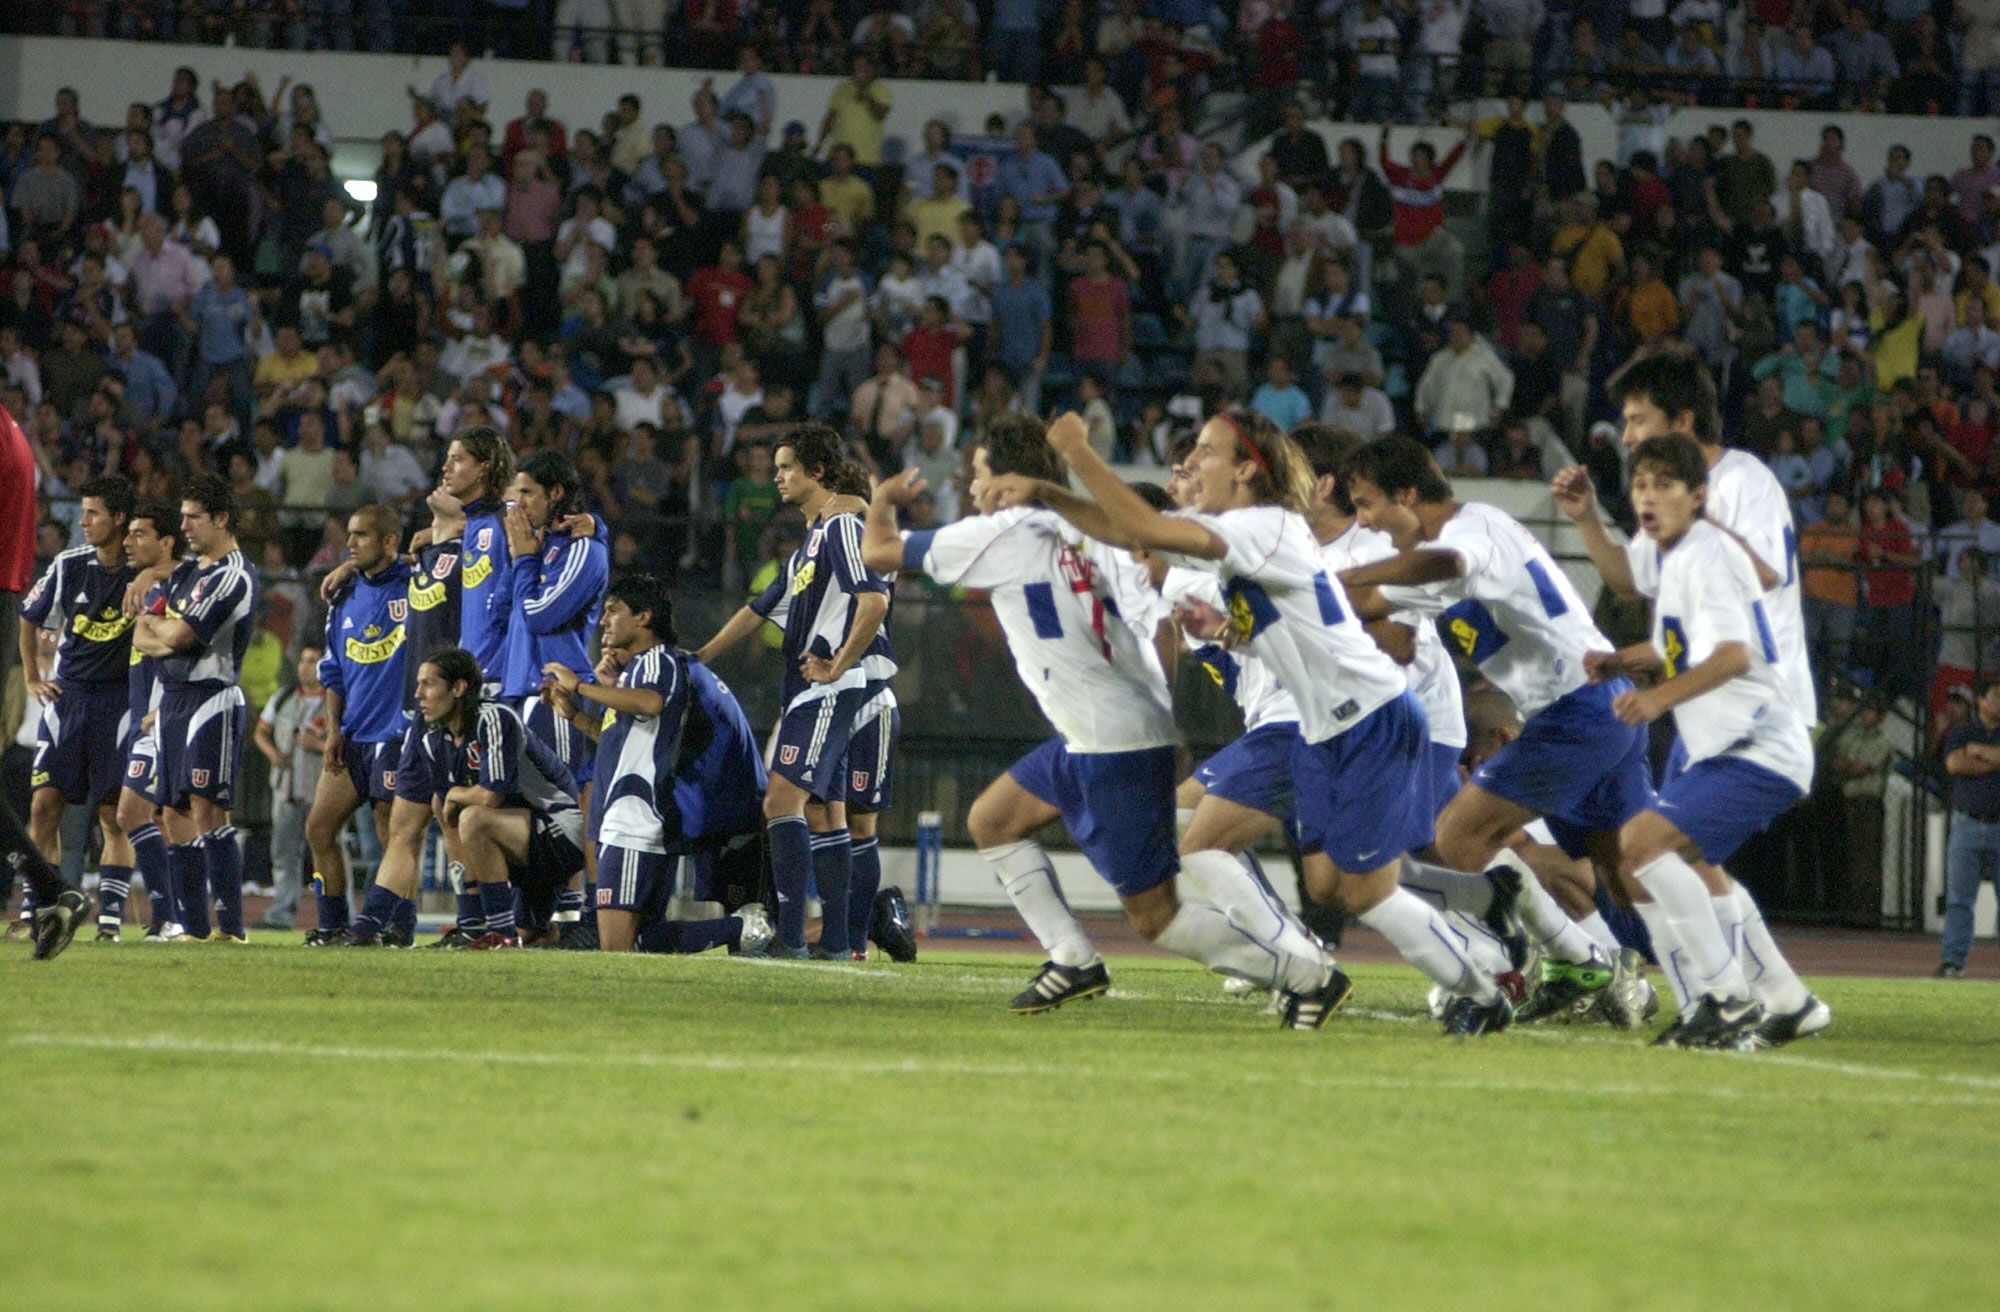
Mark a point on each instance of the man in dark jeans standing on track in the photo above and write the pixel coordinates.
(1971, 752)
(60, 910)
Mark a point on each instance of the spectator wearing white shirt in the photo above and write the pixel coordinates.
(1973, 529)
(1097, 111)
(390, 468)
(842, 306)
(1465, 385)
(1804, 214)
(645, 399)
(1972, 344)
(1224, 315)
(587, 227)
(1352, 404)
(476, 189)
(1207, 203)
(457, 83)
(430, 136)
(478, 350)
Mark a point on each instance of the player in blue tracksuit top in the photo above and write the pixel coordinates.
(79, 744)
(451, 593)
(556, 588)
(363, 673)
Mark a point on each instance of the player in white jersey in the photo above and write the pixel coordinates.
(1671, 393)
(1359, 765)
(1513, 611)
(1749, 754)
(1109, 775)
(1411, 640)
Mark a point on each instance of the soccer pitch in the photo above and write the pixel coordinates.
(267, 1127)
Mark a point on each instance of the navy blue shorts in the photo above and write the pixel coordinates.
(80, 744)
(1255, 770)
(1118, 806)
(577, 752)
(371, 767)
(635, 881)
(1725, 801)
(1576, 765)
(1364, 796)
(1445, 780)
(812, 744)
(201, 743)
(413, 768)
(555, 848)
(870, 760)
(142, 768)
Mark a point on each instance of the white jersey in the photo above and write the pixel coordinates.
(1709, 595)
(1514, 611)
(1292, 615)
(1132, 597)
(1432, 675)
(1086, 667)
(1745, 497)
(1247, 680)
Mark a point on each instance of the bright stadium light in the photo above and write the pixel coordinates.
(362, 190)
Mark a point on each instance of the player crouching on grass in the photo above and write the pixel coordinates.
(647, 717)
(362, 672)
(1749, 756)
(505, 803)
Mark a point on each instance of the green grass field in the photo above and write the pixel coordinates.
(267, 1127)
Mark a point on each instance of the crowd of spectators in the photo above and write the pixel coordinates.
(1370, 59)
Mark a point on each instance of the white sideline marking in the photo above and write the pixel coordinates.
(180, 1045)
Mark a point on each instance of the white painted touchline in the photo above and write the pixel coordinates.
(180, 1045)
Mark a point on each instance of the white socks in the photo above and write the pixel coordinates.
(1428, 943)
(1447, 889)
(1772, 980)
(1024, 871)
(1250, 907)
(1600, 933)
(1690, 914)
(1666, 948)
(1543, 917)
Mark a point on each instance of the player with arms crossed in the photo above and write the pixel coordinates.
(1514, 612)
(503, 799)
(478, 465)
(647, 724)
(832, 608)
(1360, 761)
(80, 741)
(362, 670)
(1110, 773)
(152, 549)
(211, 611)
(1749, 754)
(1668, 392)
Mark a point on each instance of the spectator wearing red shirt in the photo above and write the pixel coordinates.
(1888, 593)
(717, 292)
(1509, 289)
(1100, 316)
(931, 344)
(1418, 189)
(516, 137)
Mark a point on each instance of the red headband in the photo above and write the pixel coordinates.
(1244, 440)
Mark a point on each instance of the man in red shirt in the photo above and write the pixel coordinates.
(1889, 592)
(1417, 193)
(717, 292)
(516, 138)
(929, 345)
(1100, 316)
(59, 910)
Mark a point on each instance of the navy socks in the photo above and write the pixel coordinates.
(791, 863)
(832, 871)
(866, 863)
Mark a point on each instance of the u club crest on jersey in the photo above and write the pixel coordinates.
(398, 610)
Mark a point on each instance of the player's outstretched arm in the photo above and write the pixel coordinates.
(1577, 498)
(731, 635)
(881, 543)
(1406, 569)
(1122, 518)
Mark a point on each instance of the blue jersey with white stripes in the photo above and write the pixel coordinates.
(499, 754)
(486, 597)
(83, 599)
(636, 754)
(813, 600)
(554, 598)
(366, 654)
(218, 600)
(142, 679)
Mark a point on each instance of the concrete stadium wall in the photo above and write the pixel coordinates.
(362, 97)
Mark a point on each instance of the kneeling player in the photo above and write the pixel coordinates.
(502, 798)
(644, 725)
(1749, 756)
